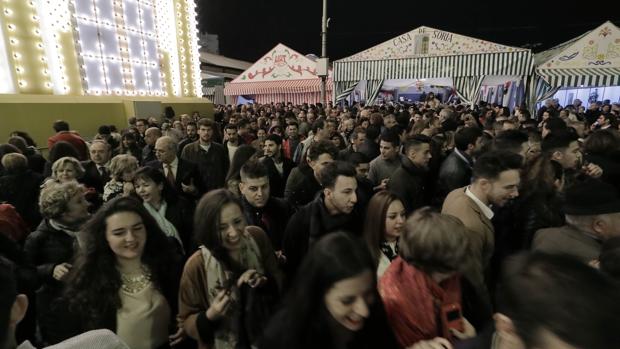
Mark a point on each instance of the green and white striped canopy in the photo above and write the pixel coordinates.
(592, 59)
(425, 53)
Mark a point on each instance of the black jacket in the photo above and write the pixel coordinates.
(180, 212)
(92, 178)
(370, 148)
(454, 173)
(36, 162)
(409, 184)
(21, 190)
(272, 218)
(308, 225)
(45, 248)
(277, 181)
(301, 186)
(148, 154)
(212, 165)
(187, 173)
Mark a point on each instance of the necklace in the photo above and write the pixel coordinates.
(134, 283)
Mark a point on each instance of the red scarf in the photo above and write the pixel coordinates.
(412, 300)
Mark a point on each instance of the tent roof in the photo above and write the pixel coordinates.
(222, 61)
(429, 42)
(592, 59)
(280, 64)
(597, 48)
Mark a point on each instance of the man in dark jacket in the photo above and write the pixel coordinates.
(210, 157)
(96, 173)
(592, 212)
(259, 206)
(148, 152)
(278, 167)
(181, 174)
(409, 180)
(370, 147)
(336, 209)
(302, 184)
(455, 171)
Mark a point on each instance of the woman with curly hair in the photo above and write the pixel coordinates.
(125, 279)
(51, 247)
(122, 171)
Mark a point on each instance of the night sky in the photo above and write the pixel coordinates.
(247, 29)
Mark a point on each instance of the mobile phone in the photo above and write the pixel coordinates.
(452, 317)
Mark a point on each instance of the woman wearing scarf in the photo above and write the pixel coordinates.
(231, 254)
(52, 246)
(385, 220)
(423, 283)
(173, 213)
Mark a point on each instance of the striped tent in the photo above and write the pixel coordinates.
(426, 53)
(282, 75)
(592, 59)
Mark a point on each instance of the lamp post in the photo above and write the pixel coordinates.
(324, 61)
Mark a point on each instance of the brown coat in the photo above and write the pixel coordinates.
(481, 233)
(193, 297)
(567, 240)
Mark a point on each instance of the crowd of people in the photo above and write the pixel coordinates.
(309, 226)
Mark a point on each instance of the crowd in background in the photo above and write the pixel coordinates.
(308, 226)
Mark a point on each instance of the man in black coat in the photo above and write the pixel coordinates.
(302, 184)
(335, 209)
(96, 173)
(148, 152)
(455, 171)
(409, 180)
(259, 206)
(278, 167)
(181, 174)
(210, 157)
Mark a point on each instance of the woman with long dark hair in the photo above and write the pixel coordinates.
(334, 301)
(125, 278)
(385, 219)
(231, 256)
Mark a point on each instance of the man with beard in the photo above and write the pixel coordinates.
(409, 181)
(191, 135)
(278, 167)
(335, 209)
(495, 181)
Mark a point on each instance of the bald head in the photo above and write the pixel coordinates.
(151, 135)
(166, 149)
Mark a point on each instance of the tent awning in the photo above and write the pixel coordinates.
(502, 63)
(581, 77)
(275, 87)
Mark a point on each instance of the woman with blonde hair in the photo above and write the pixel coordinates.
(67, 169)
(122, 168)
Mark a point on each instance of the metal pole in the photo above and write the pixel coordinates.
(324, 53)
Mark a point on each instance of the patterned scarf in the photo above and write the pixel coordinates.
(219, 278)
(388, 251)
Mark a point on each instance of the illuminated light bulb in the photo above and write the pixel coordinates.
(14, 41)
(22, 83)
(8, 12)
(11, 27)
(17, 55)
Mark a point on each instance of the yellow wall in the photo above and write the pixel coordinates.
(35, 114)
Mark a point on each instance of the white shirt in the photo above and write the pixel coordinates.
(231, 150)
(173, 165)
(485, 209)
(205, 147)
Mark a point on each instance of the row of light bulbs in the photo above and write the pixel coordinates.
(52, 57)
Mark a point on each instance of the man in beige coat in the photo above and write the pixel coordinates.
(495, 181)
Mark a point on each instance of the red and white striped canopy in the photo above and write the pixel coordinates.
(275, 87)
